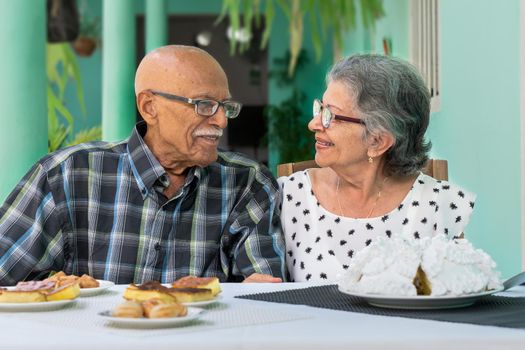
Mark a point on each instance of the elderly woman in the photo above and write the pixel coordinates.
(370, 146)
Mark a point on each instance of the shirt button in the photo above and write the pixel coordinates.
(143, 191)
(157, 246)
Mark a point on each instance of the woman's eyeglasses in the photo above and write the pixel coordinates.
(327, 116)
(205, 108)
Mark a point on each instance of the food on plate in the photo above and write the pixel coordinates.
(35, 286)
(436, 266)
(191, 295)
(85, 281)
(39, 291)
(151, 308)
(154, 289)
(12, 296)
(157, 308)
(66, 292)
(148, 290)
(130, 308)
(199, 282)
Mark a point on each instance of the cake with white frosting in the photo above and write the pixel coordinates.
(434, 266)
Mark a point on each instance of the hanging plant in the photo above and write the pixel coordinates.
(89, 35)
(62, 21)
(335, 17)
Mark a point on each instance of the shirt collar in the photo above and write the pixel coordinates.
(146, 168)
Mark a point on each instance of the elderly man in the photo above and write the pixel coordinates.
(161, 205)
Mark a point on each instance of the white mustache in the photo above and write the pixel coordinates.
(217, 132)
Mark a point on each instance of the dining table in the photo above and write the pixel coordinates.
(239, 323)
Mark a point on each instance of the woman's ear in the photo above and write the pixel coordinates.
(379, 144)
(146, 107)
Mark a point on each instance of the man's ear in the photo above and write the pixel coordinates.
(146, 107)
(379, 144)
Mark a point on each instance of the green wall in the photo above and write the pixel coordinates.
(478, 126)
(23, 134)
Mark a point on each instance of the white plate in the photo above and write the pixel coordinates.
(193, 313)
(204, 302)
(87, 292)
(30, 307)
(421, 302)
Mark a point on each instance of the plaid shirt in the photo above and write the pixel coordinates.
(98, 208)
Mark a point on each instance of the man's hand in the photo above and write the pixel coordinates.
(261, 278)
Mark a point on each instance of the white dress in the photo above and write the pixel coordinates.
(320, 244)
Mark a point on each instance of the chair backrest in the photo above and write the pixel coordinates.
(437, 168)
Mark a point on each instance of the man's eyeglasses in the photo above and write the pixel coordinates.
(327, 116)
(205, 108)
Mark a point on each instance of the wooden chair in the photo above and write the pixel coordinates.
(437, 168)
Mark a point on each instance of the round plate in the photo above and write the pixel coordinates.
(193, 313)
(87, 292)
(40, 306)
(420, 302)
(204, 302)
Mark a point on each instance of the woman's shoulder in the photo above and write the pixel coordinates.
(443, 189)
(297, 177)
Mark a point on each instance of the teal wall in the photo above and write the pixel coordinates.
(23, 135)
(478, 126)
(394, 25)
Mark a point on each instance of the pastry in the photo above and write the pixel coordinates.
(130, 308)
(66, 292)
(191, 295)
(86, 281)
(157, 308)
(61, 279)
(148, 290)
(17, 296)
(199, 282)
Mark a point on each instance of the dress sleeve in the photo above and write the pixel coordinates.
(29, 230)
(256, 230)
(454, 208)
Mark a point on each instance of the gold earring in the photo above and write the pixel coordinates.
(370, 160)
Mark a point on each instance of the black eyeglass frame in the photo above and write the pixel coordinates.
(237, 106)
(327, 121)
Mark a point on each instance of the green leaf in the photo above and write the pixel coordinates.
(316, 37)
(95, 133)
(269, 14)
(73, 71)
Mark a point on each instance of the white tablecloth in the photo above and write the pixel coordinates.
(244, 324)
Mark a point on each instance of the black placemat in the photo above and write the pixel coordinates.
(490, 311)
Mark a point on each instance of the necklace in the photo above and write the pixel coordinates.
(375, 202)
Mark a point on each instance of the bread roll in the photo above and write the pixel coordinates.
(130, 309)
(86, 281)
(157, 308)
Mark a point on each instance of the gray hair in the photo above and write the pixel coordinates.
(392, 97)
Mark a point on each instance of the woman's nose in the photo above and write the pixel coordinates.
(315, 123)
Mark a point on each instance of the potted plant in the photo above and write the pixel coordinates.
(88, 38)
